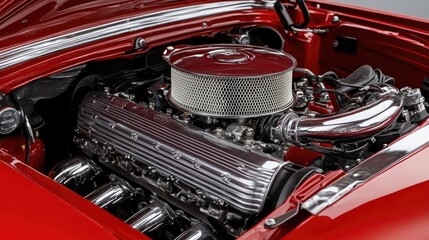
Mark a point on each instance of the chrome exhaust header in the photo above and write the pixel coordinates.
(196, 232)
(111, 193)
(151, 217)
(353, 126)
(74, 171)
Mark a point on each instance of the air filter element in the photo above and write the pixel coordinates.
(230, 81)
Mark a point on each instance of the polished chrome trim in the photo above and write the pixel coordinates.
(41, 48)
(369, 168)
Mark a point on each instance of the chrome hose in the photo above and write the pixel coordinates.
(348, 127)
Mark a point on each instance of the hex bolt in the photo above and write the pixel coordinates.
(324, 98)
(139, 43)
(335, 19)
(270, 222)
(244, 39)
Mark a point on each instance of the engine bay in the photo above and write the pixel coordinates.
(174, 154)
(208, 135)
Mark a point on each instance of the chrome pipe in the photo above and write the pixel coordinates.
(197, 232)
(151, 217)
(304, 71)
(111, 193)
(75, 170)
(352, 126)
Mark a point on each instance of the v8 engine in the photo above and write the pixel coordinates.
(204, 147)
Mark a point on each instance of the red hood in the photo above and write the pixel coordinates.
(32, 32)
(27, 20)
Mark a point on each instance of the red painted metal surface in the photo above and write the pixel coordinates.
(35, 207)
(56, 18)
(321, 108)
(15, 146)
(229, 60)
(397, 45)
(393, 205)
(43, 19)
(393, 198)
(301, 156)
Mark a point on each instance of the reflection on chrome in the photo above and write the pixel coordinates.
(197, 232)
(352, 126)
(151, 217)
(74, 171)
(111, 193)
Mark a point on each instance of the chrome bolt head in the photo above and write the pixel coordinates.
(270, 222)
(335, 19)
(139, 43)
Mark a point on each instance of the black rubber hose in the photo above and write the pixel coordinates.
(283, 15)
(27, 148)
(26, 133)
(294, 181)
(287, 20)
(305, 14)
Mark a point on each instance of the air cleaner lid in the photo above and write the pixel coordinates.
(228, 60)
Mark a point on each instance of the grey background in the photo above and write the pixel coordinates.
(417, 8)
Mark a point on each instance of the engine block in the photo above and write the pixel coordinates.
(165, 155)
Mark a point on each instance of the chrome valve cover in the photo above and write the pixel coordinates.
(218, 170)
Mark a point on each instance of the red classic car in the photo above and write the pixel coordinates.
(252, 119)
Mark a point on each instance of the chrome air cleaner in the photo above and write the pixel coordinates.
(230, 81)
